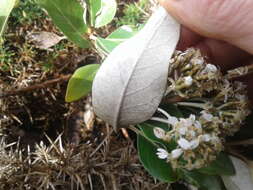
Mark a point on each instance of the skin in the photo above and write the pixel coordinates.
(221, 29)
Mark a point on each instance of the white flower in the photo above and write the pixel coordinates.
(192, 133)
(192, 118)
(172, 120)
(205, 138)
(206, 116)
(198, 61)
(162, 153)
(176, 153)
(184, 144)
(185, 123)
(182, 130)
(210, 68)
(159, 133)
(198, 125)
(194, 144)
(188, 81)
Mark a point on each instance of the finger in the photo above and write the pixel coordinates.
(218, 52)
(229, 20)
(188, 39)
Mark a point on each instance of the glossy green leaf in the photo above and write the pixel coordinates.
(6, 7)
(221, 166)
(106, 13)
(80, 83)
(123, 33)
(156, 167)
(202, 181)
(68, 16)
(94, 8)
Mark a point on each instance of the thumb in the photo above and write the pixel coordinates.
(227, 20)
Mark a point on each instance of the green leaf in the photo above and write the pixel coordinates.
(106, 13)
(68, 16)
(202, 181)
(120, 35)
(94, 8)
(114, 39)
(221, 166)
(5, 10)
(158, 168)
(80, 83)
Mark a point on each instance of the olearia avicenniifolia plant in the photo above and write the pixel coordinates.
(200, 108)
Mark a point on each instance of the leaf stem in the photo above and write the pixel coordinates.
(192, 104)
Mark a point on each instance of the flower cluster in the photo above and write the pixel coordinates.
(221, 106)
(197, 144)
(191, 78)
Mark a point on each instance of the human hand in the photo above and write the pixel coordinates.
(221, 29)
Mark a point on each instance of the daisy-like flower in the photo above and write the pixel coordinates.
(162, 153)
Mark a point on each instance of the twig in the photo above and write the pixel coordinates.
(35, 86)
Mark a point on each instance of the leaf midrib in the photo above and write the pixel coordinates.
(70, 23)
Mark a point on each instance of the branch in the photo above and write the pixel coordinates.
(35, 86)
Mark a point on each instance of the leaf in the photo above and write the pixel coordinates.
(114, 39)
(80, 83)
(131, 82)
(202, 181)
(94, 8)
(44, 40)
(221, 166)
(242, 180)
(68, 16)
(158, 168)
(106, 13)
(5, 10)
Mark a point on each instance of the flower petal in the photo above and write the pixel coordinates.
(176, 153)
(184, 144)
(162, 153)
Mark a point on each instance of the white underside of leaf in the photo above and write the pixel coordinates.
(6, 7)
(131, 82)
(242, 180)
